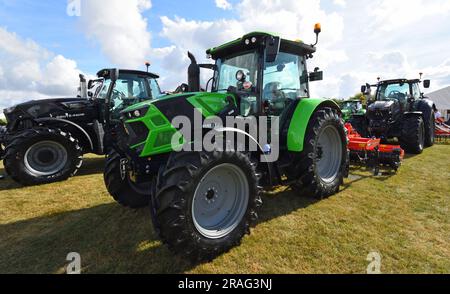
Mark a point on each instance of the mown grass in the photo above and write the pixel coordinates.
(404, 217)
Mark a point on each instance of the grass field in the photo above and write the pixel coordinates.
(404, 217)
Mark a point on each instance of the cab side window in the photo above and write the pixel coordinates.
(416, 91)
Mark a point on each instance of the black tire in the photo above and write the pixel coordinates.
(174, 199)
(17, 162)
(430, 129)
(120, 186)
(413, 134)
(310, 182)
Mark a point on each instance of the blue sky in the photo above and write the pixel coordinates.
(56, 31)
(42, 49)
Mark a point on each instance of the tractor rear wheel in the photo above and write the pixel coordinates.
(42, 155)
(322, 165)
(205, 202)
(413, 135)
(121, 187)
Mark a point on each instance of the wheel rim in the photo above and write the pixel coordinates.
(329, 154)
(220, 201)
(45, 158)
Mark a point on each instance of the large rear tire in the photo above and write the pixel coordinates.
(42, 155)
(205, 202)
(430, 129)
(322, 165)
(413, 135)
(119, 185)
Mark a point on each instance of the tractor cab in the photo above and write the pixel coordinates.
(352, 107)
(393, 98)
(119, 89)
(266, 73)
(399, 110)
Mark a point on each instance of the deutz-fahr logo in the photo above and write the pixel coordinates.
(69, 115)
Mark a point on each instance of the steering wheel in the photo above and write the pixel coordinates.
(394, 94)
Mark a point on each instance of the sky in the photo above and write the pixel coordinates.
(45, 45)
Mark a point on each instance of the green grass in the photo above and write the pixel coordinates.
(404, 217)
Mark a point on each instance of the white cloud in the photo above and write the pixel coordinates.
(341, 3)
(119, 28)
(28, 70)
(388, 15)
(224, 4)
(293, 19)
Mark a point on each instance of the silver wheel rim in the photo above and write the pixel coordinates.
(220, 201)
(45, 158)
(329, 154)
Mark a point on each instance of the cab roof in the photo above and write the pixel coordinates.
(238, 45)
(397, 81)
(105, 73)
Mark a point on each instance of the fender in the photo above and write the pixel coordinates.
(425, 106)
(70, 123)
(300, 120)
(250, 137)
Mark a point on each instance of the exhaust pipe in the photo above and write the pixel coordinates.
(83, 87)
(193, 74)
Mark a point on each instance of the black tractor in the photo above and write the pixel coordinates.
(398, 110)
(44, 140)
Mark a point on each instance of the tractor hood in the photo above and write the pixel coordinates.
(183, 104)
(381, 106)
(45, 108)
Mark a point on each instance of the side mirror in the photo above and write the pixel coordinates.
(426, 84)
(114, 74)
(272, 48)
(316, 76)
(366, 90)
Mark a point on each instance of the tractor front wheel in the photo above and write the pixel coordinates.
(121, 187)
(322, 165)
(413, 135)
(430, 126)
(205, 202)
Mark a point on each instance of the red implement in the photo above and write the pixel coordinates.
(442, 130)
(371, 153)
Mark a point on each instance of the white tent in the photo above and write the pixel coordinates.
(442, 100)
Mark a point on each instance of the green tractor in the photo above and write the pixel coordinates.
(203, 201)
(352, 107)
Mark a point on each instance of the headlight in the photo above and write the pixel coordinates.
(138, 113)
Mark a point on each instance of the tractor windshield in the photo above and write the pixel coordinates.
(229, 66)
(227, 69)
(129, 89)
(352, 106)
(397, 91)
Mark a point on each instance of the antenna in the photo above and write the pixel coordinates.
(147, 64)
(420, 74)
(378, 78)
